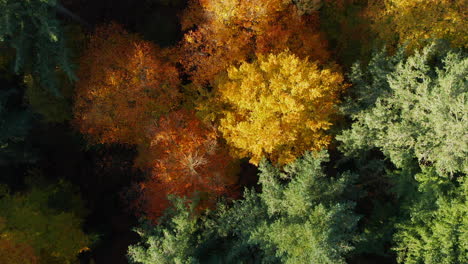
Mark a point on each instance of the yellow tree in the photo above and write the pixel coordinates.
(416, 21)
(276, 107)
(124, 83)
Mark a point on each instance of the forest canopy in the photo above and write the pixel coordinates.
(233, 131)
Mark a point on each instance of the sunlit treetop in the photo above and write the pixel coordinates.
(229, 32)
(248, 13)
(276, 107)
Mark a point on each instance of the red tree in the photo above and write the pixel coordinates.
(184, 158)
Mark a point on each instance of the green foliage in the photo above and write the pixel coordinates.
(414, 109)
(175, 241)
(420, 110)
(307, 219)
(437, 228)
(301, 216)
(31, 28)
(47, 218)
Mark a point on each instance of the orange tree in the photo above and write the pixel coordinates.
(222, 33)
(184, 158)
(124, 82)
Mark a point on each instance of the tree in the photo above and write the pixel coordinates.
(301, 216)
(47, 219)
(208, 51)
(229, 32)
(414, 111)
(436, 230)
(278, 106)
(52, 108)
(124, 84)
(31, 28)
(13, 253)
(419, 111)
(185, 158)
(417, 22)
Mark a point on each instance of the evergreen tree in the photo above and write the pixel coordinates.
(419, 110)
(32, 29)
(301, 216)
(416, 114)
(436, 229)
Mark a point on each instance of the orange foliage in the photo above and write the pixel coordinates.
(233, 31)
(208, 51)
(299, 34)
(123, 83)
(15, 253)
(185, 159)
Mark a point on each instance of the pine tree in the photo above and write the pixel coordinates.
(301, 216)
(417, 109)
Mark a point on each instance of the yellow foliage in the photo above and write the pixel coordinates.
(245, 13)
(278, 106)
(415, 21)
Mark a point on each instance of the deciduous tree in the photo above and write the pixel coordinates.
(45, 222)
(277, 107)
(124, 84)
(184, 158)
(417, 22)
(13, 253)
(229, 32)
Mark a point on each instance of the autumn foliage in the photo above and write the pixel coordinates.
(278, 106)
(229, 32)
(415, 22)
(124, 83)
(184, 158)
(16, 253)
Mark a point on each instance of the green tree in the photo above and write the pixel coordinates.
(414, 110)
(301, 216)
(418, 110)
(436, 230)
(32, 29)
(47, 218)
